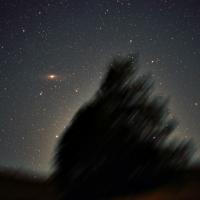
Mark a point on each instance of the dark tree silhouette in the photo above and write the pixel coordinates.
(115, 145)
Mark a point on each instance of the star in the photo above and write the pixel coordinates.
(152, 61)
(76, 90)
(23, 30)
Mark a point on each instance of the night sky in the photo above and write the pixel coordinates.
(53, 54)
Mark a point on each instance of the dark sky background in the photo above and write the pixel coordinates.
(53, 54)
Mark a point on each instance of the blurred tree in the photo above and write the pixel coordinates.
(115, 145)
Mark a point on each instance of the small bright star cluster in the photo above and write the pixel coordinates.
(53, 56)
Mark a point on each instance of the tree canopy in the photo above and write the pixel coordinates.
(115, 144)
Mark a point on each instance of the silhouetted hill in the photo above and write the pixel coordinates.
(21, 186)
(187, 189)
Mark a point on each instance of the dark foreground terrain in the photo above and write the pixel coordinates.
(19, 186)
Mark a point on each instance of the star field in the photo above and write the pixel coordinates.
(53, 55)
